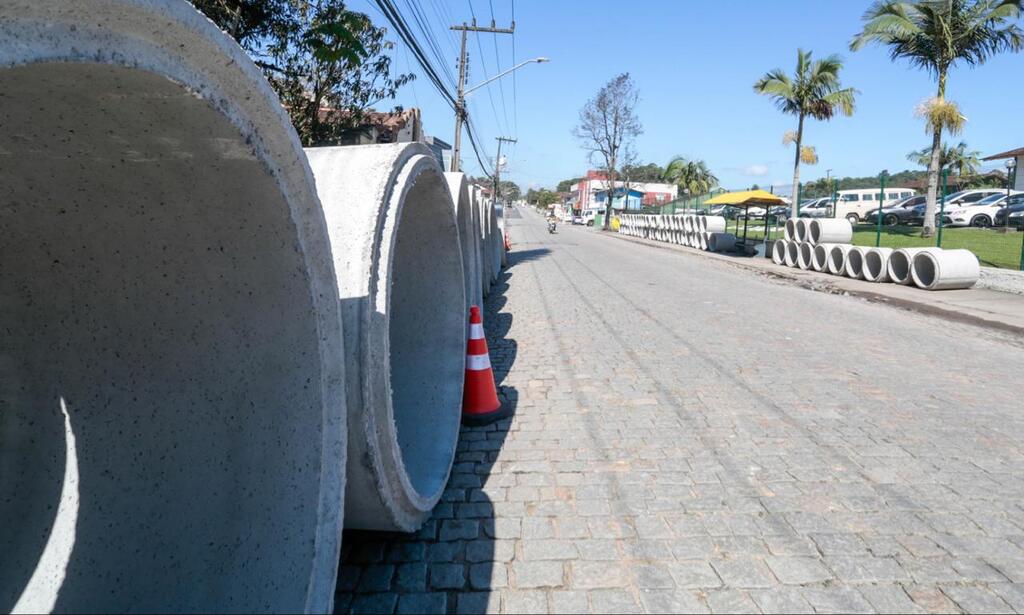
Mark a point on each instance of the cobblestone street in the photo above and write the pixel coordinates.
(691, 437)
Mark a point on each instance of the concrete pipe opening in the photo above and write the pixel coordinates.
(945, 269)
(465, 220)
(171, 409)
(790, 230)
(792, 254)
(805, 255)
(820, 256)
(855, 262)
(395, 242)
(779, 251)
(876, 262)
(900, 262)
(837, 259)
(721, 242)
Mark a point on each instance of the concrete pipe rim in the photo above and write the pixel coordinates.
(855, 263)
(792, 254)
(876, 262)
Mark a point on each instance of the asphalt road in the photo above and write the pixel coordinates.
(690, 436)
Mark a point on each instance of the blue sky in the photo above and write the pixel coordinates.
(694, 64)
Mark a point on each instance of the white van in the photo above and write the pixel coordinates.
(853, 204)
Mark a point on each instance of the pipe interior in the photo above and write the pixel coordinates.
(874, 265)
(814, 231)
(151, 294)
(426, 335)
(837, 258)
(899, 263)
(925, 269)
(855, 261)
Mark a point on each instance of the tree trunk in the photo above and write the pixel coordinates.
(611, 191)
(795, 205)
(934, 168)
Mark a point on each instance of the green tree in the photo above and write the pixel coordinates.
(643, 172)
(565, 184)
(813, 91)
(692, 175)
(935, 35)
(955, 158)
(327, 64)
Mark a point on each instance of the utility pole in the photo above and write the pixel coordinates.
(497, 165)
(460, 100)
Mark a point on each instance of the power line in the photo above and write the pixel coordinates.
(483, 62)
(497, 69)
(515, 97)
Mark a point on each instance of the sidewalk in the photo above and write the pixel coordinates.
(978, 306)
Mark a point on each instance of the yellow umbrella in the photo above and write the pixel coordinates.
(745, 198)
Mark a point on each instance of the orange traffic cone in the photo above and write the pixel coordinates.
(480, 404)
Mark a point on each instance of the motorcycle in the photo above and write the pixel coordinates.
(551, 227)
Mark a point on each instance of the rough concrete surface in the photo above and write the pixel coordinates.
(469, 236)
(171, 408)
(395, 241)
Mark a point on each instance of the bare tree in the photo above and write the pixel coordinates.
(608, 126)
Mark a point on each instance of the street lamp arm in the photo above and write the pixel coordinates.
(502, 74)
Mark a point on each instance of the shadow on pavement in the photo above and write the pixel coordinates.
(458, 559)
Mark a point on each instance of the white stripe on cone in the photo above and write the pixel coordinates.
(477, 362)
(476, 331)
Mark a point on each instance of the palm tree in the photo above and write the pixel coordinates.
(935, 35)
(956, 158)
(813, 91)
(691, 175)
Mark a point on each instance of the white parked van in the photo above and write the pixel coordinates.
(853, 204)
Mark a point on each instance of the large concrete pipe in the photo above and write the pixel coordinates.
(820, 256)
(172, 433)
(792, 254)
(829, 230)
(789, 231)
(713, 224)
(465, 219)
(497, 242)
(855, 262)
(801, 230)
(721, 242)
(876, 264)
(779, 251)
(805, 255)
(900, 261)
(837, 256)
(703, 239)
(500, 213)
(486, 251)
(396, 251)
(945, 270)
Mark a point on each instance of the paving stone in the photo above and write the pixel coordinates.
(526, 602)
(798, 570)
(889, 599)
(695, 574)
(653, 576)
(411, 577)
(484, 550)
(447, 576)
(744, 573)
(376, 578)
(374, 604)
(548, 550)
(530, 575)
(459, 530)
(613, 601)
(488, 576)
(866, 569)
(599, 575)
(473, 603)
(423, 604)
(976, 599)
(730, 601)
(837, 599)
(780, 600)
(671, 601)
(568, 602)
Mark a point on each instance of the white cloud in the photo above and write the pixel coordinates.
(755, 170)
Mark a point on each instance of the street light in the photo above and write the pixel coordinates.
(1011, 177)
(500, 75)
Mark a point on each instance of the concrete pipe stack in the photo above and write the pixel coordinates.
(701, 232)
(222, 349)
(823, 244)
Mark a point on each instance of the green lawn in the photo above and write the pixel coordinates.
(993, 248)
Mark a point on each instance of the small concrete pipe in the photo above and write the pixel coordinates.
(837, 257)
(945, 270)
(468, 237)
(779, 251)
(789, 231)
(172, 403)
(855, 262)
(792, 254)
(396, 251)
(721, 242)
(819, 258)
(876, 264)
(801, 230)
(900, 262)
(486, 253)
(829, 230)
(713, 224)
(688, 223)
(805, 255)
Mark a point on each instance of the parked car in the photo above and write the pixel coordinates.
(1017, 218)
(752, 213)
(898, 213)
(855, 204)
(953, 201)
(981, 214)
(589, 215)
(815, 208)
(729, 212)
(780, 212)
(577, 219)
(1016, 204)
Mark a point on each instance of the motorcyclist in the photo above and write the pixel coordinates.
(552, 222)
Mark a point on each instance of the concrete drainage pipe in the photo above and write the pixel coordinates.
(820, 256)
(703, 238)
(900, 261)
(792, 254)
(486, 252)
(876, 261)
(855, 262)
(789, 232)
(830, 230)
(396, 251)
(465, 218)
(837, 257)
(497, 243)
(945, 269)
(172, 433)
(721, 242)
(801, 230)
(779, 251)
(805, 255)
(713, 224)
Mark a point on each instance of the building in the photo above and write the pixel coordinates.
(1016, 155)
(442, 151)
(582, 195)
(621, 201)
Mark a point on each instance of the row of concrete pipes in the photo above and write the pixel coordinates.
(701, 232)
(218, 349)
(823, 244)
